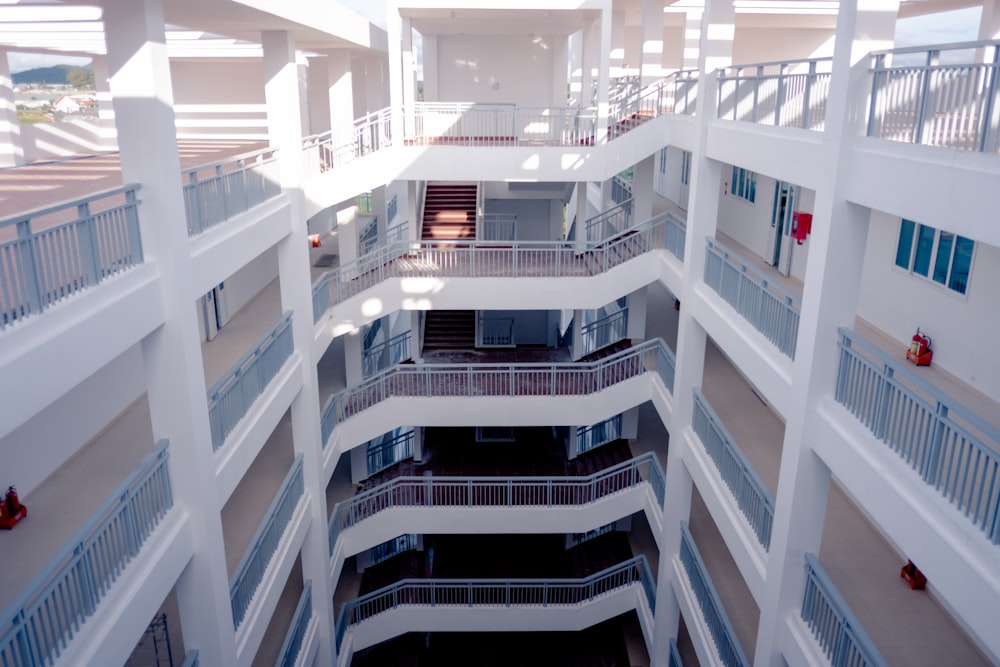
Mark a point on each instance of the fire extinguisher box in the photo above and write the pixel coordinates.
(801, 225)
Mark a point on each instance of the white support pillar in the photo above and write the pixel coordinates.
(416, 336)
(636, 304)
(175, 381)
(11, 149)
(412, 212)
(691, 44)
(430, 64)
(603, 81)
(318, 85)
(353, 349)
(379, 202)
(590, 47)
(105, 110)
(642, 189)
(651, 51)
(560, 59)
(340, 89)
(830, 298)
(576, 59)
(989, 21)
(284, 120)
(394, 28)
(617, 53)
(409, 74)
(580, 234)
(375, 96)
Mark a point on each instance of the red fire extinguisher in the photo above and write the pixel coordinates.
(920, 351)
(12, 502)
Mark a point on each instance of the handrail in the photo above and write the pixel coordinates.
(928, 429)
(497, 592)
(495, 332)
(781, 98)
(250, 571)
(754, 499)
(44, 618)
(218, 197)
(292, 646)
(609, 223)
(472, 259)
(499, 379)
(397, 347)
(191, 658)
(230, 398)
(601, 433)
(778, 63)
(380, 453)
(260, 152)
(675, 655)
(486, 491)
(949, 46)
(839, 633)
(498, 227)
(603, 332)
(714, 614)
(767, 306)
(41, 267)
(676, 235)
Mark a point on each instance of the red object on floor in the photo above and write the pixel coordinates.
(315, 241)
(913, 576)
(7, 520)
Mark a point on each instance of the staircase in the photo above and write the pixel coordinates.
(449, 212)
(607, 351)
(450, 329)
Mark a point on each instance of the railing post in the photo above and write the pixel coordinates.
(806, 94)
(877, 69)
(88, 244)
(924, 102)
(932, 463)
(992, 90)
(882, 401)
(779, 93)
(132, 224)
(26, 245)
(756, 94)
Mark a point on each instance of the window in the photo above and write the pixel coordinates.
(936, 255)
(744, 184)
(685, 167)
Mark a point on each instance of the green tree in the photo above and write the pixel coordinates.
(80, 77)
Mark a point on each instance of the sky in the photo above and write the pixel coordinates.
(955, 26)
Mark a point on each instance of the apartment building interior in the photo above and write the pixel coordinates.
(562, 332)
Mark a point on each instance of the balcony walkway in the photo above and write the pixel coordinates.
(45, 183)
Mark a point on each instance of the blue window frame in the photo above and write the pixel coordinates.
(744, 184)
(943, 257)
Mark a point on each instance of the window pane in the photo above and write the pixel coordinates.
(925, 242)
(753, 187)
(943, 257)
(905, 244)
(960, 266)
(735, 187)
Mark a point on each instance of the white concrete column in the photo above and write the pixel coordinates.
(105, 110)
(379, 202)
(284, 120)
(409, 73)
(691, 44)
(989, 21)
(175, 381)
(318, 84)
(412, 212)
(416, 336)
(11, 149)
(375, 96)
(603, 79)
(431, 78)
(576, 66)
(353, 349)
(617, 53)
(560, 59)
(580, 234)
(359, 92)
(394, 30)
(340, 90)
(642, 189)
(651, 66)
(830, 298)
(590, 52)
(636, 304)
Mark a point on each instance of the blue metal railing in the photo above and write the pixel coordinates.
(495, 332)
(397, 545)
(41, 622)
(792, 93)
(391, 209)
(920, 99)
(485, 259)
(292, 646)
(498, 227)
(621, 189)
(608, 330)
(949, 446)
(54, 252)
(589, 437)
(768, 307)
(518, 379)
(215, 192)
(388, 353)
(368, 236)
(388, 450)
(497, 592)
(675, 655)
(752, 496)
(191, 658)
(723, 635)
(676, 235)
(230, 398)
(609, 223)
(838, 632)
(417, 491)
(251, 568)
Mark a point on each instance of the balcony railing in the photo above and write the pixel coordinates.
(497, 593)
(191, 658)
(386, 354)
(609, 223)
(368, 236)
(53, 608)
(921, 95)
(388, 450)
(467, 124)
(676, 235)
(416, 491)
(54, 252)
(230, 398)
(838, 632)
(712, 611)
(675, 655)
(332, 149)
(786, 94)
(680, 92)
(595, 435)
(495, 332)
(603, 332)
(520, 379)
(485, 259)
(950, 447)
(621, 189)
(292, 646)
(768, 307)
(391, 209)
(250, 571)
(215, 192)
(752, 496)
(499, 227)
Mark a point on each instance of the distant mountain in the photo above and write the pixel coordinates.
(55, 74)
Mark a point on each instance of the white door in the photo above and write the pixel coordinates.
(780, 240)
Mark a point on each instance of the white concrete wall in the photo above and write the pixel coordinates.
(531, 327)
(38, 447)
(962, 327)
(246, 283)
(534, 216)
(753, 45)
(495, 68)
(45, 141)
(215, 99)
(748, 223)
